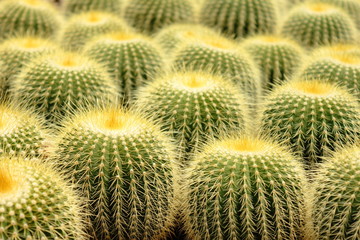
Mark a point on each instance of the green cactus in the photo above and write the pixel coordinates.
(277, 57)
(62, 81)
(82, 27)
(36, 17)
(78, 6)
(316, 24)
(342, 68)
(221, 56)
(194, 106)
(149, 16)
(132, 59)
(240, 18)
(125, 166)
(337, 195)
(36, 203)
(22, 132)
(312, 116)
(174, 35)
(244, 187)
(19, 51)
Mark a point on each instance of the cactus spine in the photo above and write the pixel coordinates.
(246, 187)
(337, 195)
(58, 82)
(36, 203)
(194, 106)
(130, 58)
(36, 17)
(277, 57)
(240, 18)
(125, 166)
(149, 16)
(78, 6)
(316, 24)
(311, 116)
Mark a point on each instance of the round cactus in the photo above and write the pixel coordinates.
(221, 56)
(277, 57)
(246, 187)
(130, 58)
(36, 17)
(174, 35)
(194, 106)
(19, 51)
(240, 18)
(36, 203)
(149, 16)
(342, 68)
(312, 117)
(337, 195)
(22, 132)
(59, 82)
(316, 24)
(81, 27)
(78, 6)
(125, 166)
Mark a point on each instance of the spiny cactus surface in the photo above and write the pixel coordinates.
(312, 116)
(244, 187)
(36, 203)
(77, 6)
(125, 166)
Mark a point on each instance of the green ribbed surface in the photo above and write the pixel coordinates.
(77, 6)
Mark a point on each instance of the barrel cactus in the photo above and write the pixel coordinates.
(62, 81)
(77, 6)
(82, 27)
(36, 17)
(244, 187)
(131, 59)
(316, 24)
(124, 165)
(149, 16)
(37, 203)
(221, 56)
(312, 116)
(240, 18)
(337, 195)
(277, 57)
(194, 106)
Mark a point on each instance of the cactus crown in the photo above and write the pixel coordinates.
(315, 88)
(7, 183)
(28, 43)
(35, 3)
(244, 144)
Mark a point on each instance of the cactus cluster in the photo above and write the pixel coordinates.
(312, 116)
(240, 18)
(36, 17)
(78, 6)
(124, 165)
(131, 59)
(37, 203)
(246, 187)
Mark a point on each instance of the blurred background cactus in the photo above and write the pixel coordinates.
(77, 6)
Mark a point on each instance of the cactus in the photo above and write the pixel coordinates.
(316, 24)
(352, 7)
(341, 67)
(78, 6)
(22, 132)
(36, 17)
(81, 27)
(277, 57)
(174, 35)
(194, 106)
(125, 166)
(19, 51)
(131, 59)
(244, 187)
(240, 18)
(222, 56)
(36, 202)
(62, 81)
(311, 116)
(150, 16)
(337, 195)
